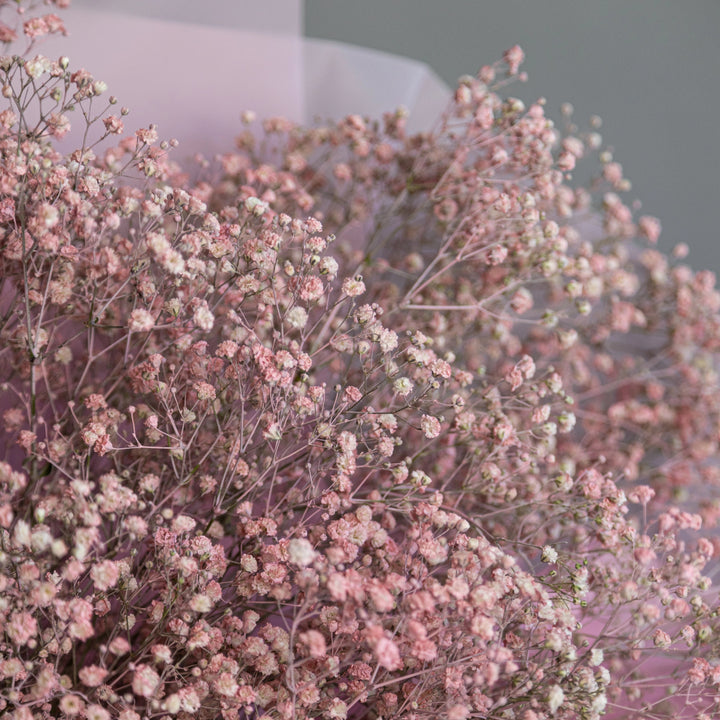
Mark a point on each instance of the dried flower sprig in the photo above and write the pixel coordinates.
(367, 425)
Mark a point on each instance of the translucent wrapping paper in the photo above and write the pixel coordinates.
(192, 70)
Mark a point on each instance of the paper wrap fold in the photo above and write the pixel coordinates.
(193, 78)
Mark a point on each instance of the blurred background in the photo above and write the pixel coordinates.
(649, 68)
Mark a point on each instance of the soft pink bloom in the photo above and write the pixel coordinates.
(141, 321)
(21, 628)
(353, 287)
(388, 654)
(430, 426)
(104, 574)
(96, 712)
(92, 675)
(314, 642)
(145, 681)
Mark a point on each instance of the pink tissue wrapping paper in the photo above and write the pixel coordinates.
(341, 79)
(193, 80)
(269, 16)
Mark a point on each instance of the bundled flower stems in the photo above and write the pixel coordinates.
(352, 424)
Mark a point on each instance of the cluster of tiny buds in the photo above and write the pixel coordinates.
(355, 424)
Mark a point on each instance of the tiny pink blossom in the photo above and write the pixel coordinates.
(353, 287)
(430, 426)
(388, 654)
(650, 228)
(119, 646)
(301, 552)
(72, 705)
(145, 681)
(458, 712)
(201, 603)
(104, 575)
(96, 712)
(92, 675)
(21, 628)
(314, 642)
(514, 57)
(311, 289)
(141, 321)
(203, 317)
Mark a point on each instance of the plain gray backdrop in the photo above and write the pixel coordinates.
(649, 68)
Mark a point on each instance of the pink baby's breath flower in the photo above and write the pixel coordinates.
(136, 526)
(301, 552)
(141, 321)
(147, 135)
(92, 675)
(328, 266)
(353, 287)
(297, 317)
(338, 710)
(189, 699)
(161, 653)
(424, 650)
(566, 161)
(514, 57)
(642, 494)
(381, 598)
(388, 654)
(72, 705)
(183, 524)
(458, 712)
(526, 365)
(314, 642)
(432, 549)
(515, 378)
(226, 685)
(256, 206)
(7, 34)
(36, 27)
(203, 317)
(113, 125)
(650, 228)
(104, 575)
(342, 172)
(21, 628)
(227, 349)
(661, 639)
(119, 646)
(201, 603)
(441, 368)
(96, 712)
(352, 394)
(430, 426)
(313, 226)
(173, 262)
(311, 289)
(388, 340)
(145, 681)
(48, 215)
(555, 698)
(205, 391)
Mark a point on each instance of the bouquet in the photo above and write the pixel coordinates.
(351, 423)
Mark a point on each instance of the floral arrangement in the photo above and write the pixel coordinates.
(355, 424)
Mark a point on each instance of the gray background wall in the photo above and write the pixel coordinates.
(649, 68)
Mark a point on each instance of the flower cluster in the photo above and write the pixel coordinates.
(358, 425)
